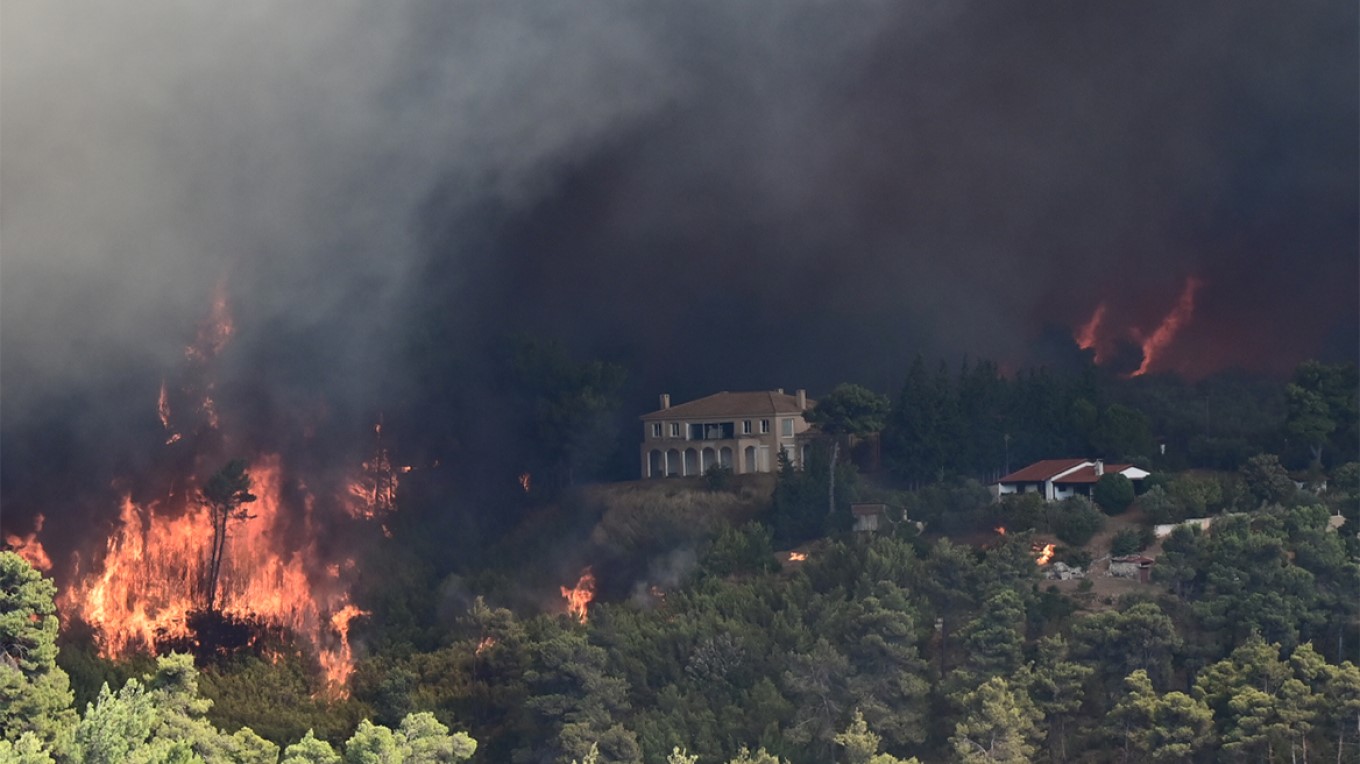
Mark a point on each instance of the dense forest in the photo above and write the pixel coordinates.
(741, 619)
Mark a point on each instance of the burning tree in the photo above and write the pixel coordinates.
(223, 495)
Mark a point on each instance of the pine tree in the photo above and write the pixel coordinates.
(999, 725)
(35, 694)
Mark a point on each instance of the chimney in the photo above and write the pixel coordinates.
(1100, 467)
(665, 401)
(802, 399)
(779, 390)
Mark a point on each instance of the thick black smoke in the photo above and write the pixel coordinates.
(722, 195)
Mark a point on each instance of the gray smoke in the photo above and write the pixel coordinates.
(720, 194)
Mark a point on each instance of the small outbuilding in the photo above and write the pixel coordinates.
(1132, 566)
(870, 517)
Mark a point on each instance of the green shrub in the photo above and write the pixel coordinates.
(718, 477)
(1197, 495)
(1022, 512)
(1125, 542)
(741, 550)
(1113, 492)
(1161, 507)
(1072, 556)
(1076, 520)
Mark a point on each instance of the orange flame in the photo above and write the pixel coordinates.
(797, 556)
(485, 644)
(149, 579)
(1089, 333)
(338, 664)
(1045, 554)
(375, 492)
(29, 548)
(163, 406)
(1171, 325)
(525, 481)
(578, 597)
(1000, 530)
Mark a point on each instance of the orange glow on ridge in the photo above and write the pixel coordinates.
(1171, 325)
(1089, 334)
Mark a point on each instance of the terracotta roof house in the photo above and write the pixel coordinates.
(1060, 479)
(741, 431)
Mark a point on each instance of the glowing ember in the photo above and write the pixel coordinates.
(1000, 530)
(578, 597)
(1045, 554)
(1179, 316)
(525, 481)
(797, 556)
(29, 548)
(1089, 333)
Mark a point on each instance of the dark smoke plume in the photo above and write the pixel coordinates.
(721, 195)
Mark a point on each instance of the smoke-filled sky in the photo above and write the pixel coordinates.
(721, 195)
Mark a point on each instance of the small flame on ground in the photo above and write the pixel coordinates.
(797, 556)
(578, 597)
(1046, 554)
(29, 548)
(1000, 530)
(1166, 332)
(525, 481)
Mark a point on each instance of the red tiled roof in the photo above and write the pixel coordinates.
(1038, 472)
(1088, 474)
(725, 404)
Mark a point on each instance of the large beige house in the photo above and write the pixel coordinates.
(741, 431)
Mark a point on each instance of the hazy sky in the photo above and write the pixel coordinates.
(721, 195)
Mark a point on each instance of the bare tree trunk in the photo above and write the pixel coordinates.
(219, 544)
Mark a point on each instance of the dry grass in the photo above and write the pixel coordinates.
(655, 514)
